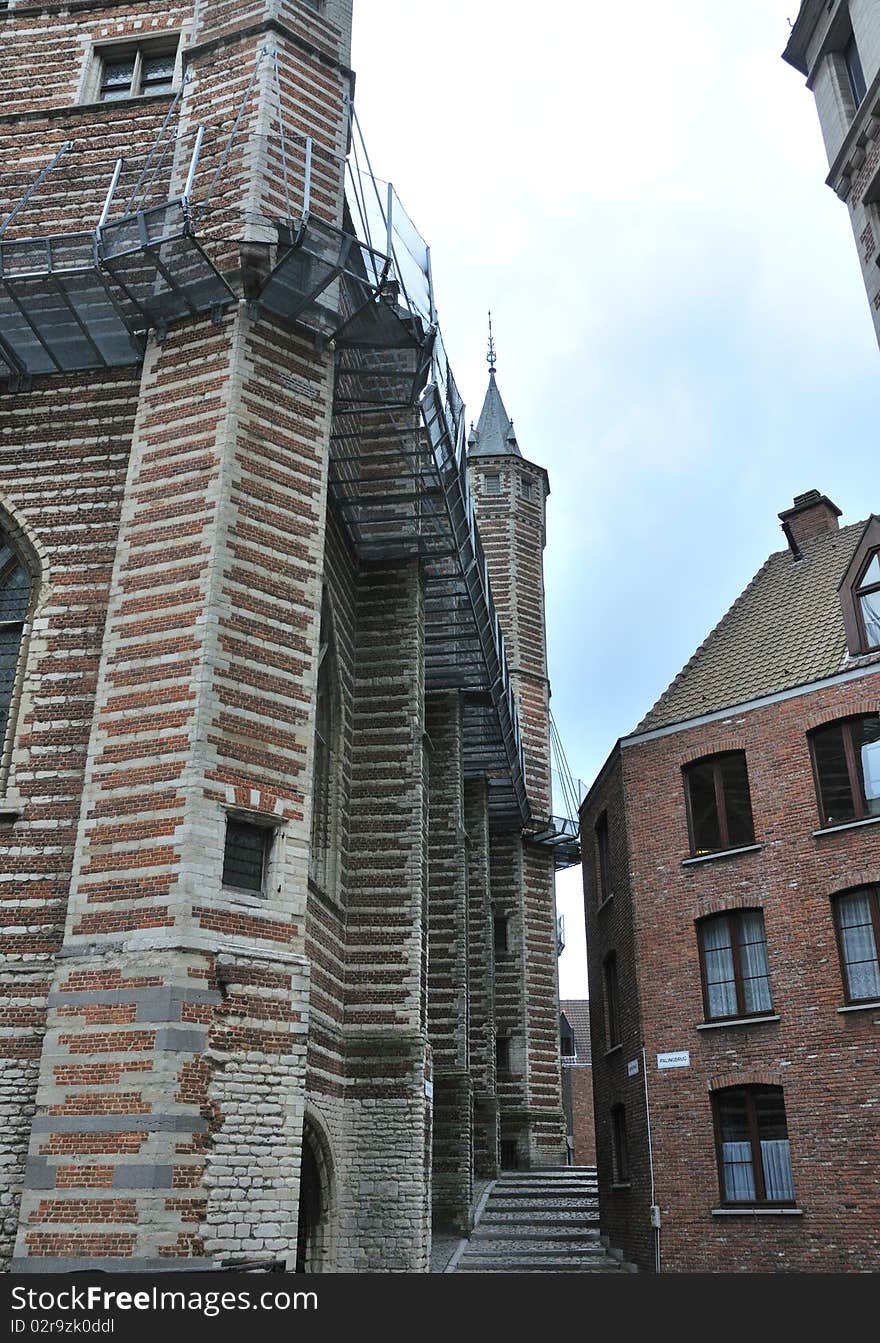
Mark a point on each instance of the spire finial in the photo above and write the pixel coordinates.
(491, 358)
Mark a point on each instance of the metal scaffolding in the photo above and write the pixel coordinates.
(398, 456)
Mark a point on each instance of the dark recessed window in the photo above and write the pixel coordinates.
(612, 1001)
(868, 601)
(566, 1038)
(136, 72)
(719, 804)
(244, 855)
(733, 960)
(853, 61)
(603, 859)
(502, 1053)
(619, 1145)
(846, 758)
(754, 1159)
(492, 484)
(857, 917)
(501, 934)
(15, 596)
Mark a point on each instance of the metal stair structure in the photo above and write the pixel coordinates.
(540, 1221)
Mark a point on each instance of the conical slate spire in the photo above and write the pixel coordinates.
(494, 434)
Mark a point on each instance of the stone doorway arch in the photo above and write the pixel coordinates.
(316, 1190)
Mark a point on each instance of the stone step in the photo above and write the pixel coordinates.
(561, 1204)
(586, 1217)
(565, 1235)
(509, 1247)
(545, 1195)
(540, 1266)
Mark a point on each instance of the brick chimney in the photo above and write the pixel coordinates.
(812, 515)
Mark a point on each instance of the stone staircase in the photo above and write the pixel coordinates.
(540, 1221)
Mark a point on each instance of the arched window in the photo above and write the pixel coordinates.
(323, 857)
(15, 595)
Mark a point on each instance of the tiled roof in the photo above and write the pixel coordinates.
(785, 630)
(494, 435)
(577, 1013)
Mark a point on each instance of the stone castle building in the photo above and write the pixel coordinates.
(732, 896)
(837, 46)
(276, 840)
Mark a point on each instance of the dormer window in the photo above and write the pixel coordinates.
(860, 593)
(868, 601)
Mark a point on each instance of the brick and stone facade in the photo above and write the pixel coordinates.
(646, 901)
(195, 1073)
(837, 47)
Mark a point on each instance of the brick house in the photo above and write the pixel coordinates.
(836, 45)
(577, 1080)
(276, 845)
(731, 882)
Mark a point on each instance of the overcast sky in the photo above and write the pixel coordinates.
(684, 339)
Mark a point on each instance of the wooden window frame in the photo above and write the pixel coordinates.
(854, 771)
(602, 832)
(873, 894)
(611, 987)
(731, 917)
(761, 1199)
(860, 590)
(851, 587)
(720, 803)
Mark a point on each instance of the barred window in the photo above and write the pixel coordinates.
(244, 855)
(323, 857)
(136, 71)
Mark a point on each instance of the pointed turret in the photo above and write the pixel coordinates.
(494, 434)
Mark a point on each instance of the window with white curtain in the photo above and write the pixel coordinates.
(857, 918)
(734, 966)
(754, 1157)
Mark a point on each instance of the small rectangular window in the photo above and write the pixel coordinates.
(754, 1159)
(612, 1002)
(244, 855)
(492, 484)
(136, 71)
(603, 859)
(500, 932)
(619, 1145)
(719, 804)
(526, 488)
(733, 960)
(857, 918)
(502, 1053)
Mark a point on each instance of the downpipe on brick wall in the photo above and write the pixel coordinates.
(655, 1211)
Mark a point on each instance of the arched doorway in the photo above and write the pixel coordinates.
(314, 1202)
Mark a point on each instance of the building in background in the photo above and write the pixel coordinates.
(577, 1080)
(836, 45)
(275, 821)
(732, 893)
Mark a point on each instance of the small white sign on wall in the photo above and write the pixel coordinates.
(680, 1059)
(429, 1090)
(632, 1068)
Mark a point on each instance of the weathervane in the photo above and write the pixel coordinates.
(491, 358)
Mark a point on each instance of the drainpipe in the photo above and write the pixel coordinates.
(655, 1210)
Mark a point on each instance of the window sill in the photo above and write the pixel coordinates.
(615, 1049)
(738, 1021)
(11, 809)
(621, 1184)
(859, 1007)
(722, 853)
(242, 896)
(757, 1212)
(847, 825)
